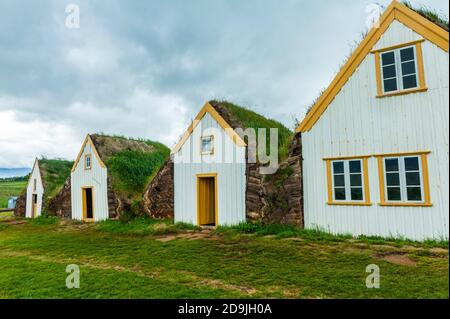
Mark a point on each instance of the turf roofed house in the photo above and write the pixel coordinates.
(215, 184)
(375, 144)
(110, 173)
(46, 179)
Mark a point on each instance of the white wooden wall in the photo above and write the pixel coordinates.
(96, 177)
(35, 174)
(357, 123)
(231, 175)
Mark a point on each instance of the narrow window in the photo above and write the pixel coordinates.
(207, 145)
(34, 184)
(404, 180)
(88, 162)
(348, 181)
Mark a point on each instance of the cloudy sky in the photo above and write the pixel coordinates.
(144, 68)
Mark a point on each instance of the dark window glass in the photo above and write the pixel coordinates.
(414, 194)
(355, 180)
(409, 82)
(408, 68)
(355, 166)
(388, 58)
(339, 180)
(390, 85)
(338, 167)
(392, 179)
(407, 54)
(413, 178)
(357, 193)
(391, 165)
(393, 193)
(411, 163)
(339, 193)
(389, 72)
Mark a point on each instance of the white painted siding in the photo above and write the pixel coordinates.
(35, 174)
(95, 178)
(230, 174)
(358, 123)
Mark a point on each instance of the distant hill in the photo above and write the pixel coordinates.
(14, 172)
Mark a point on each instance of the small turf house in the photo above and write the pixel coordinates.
(375, 144)
(110, 173)
(215, 184)
(46, 179)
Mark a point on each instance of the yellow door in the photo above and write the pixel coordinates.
(88, 203)
(206, 201)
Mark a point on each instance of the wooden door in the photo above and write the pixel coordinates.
(88, 203)
(206, 201)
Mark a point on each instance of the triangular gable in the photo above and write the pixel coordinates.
(36, 165)
(395, 11)
(87, 140)
(208, 108)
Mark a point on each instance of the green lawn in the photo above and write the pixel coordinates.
(158, 260)
(8, 189)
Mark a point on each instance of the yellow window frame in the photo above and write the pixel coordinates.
(423, 156)
(365, 173)
(420, 69)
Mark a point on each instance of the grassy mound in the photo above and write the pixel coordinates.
(54, 173)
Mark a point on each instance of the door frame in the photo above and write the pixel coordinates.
(34, 206)
(216, 203)
(84, 204)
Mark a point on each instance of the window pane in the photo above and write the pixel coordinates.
(389, 72)
(392, 179)
(393, 193)
(390, 85)
(391, 164)
(411, 163)
(409, 82)
(338, 167)
(413, 179)
(355, 166)
(355, 180)
(414, 194)
(388, 58)
(357, 193)
(339, 180)
(407, 54)
(408, 68)
(339, 193)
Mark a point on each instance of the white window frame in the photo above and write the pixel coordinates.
(398, 69)
(348, 197)
(212, 145)
(403, 186)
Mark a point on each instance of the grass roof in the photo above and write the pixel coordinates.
(132, 163)
(54, 173)
(430, 14)
(242, 117)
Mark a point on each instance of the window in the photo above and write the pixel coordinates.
(348, 181)
(88, 162)
(34, 184)
(400, 69)
(207, 145)
(404, 180)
